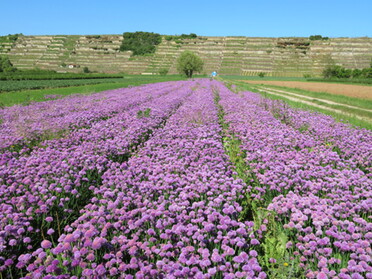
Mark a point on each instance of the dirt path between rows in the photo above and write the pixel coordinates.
(297, 99)
(357, 91)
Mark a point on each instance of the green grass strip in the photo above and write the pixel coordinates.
(351, 101)
(337, 116)
(349, 110)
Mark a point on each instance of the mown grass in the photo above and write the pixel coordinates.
(27, 96)
(352, 101)
(346, 118)
(234, 77)
(356, 81)
(20, 85)
(349, 110)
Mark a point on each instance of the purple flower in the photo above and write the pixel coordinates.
(98, 242)
(46, 244)
(322, 275)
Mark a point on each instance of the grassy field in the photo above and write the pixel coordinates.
(362, 103)
(19, 85)
(27, 96)
(351, 115)
(360, 81)
(355, 81)
(263, 78)
(51, 75)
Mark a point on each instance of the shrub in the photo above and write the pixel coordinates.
(336, 71)
(5, 65)
(318, 38)
(261, 74)
(163, 72)
(140, 43)
(179, 38)
(86, 70)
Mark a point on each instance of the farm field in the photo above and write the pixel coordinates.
(182, 179)
(356, 91)
(19, 85)
(51, 89)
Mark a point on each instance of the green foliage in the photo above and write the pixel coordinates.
(163, 72)
(140, 43)
(188, 63)
(336, 71)
(10, 38)
(261, 74)
(5, 65)
(17, 85)
(93, 37)
(38, 74)
(144, 113)
(177, 38)
(318, 38)
(86, 70)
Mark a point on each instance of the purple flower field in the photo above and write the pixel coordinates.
(141, 183)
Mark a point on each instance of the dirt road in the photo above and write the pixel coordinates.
(357, 91)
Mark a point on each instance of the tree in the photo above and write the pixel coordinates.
(188, 63)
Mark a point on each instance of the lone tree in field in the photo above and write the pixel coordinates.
(188, 63)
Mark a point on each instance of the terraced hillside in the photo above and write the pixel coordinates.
(226, 55)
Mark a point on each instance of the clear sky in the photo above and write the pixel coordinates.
(352, 18)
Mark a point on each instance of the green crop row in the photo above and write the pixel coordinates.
(17, 85)
(51, 75)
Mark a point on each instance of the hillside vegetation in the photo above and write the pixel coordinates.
(247, 56)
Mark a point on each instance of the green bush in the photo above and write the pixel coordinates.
(10, 38)
(86, 70)
(318, 38)
(261, 74)
(336, 71)
(5, 65)
(140, 43)
(163, 72)
(179, 38)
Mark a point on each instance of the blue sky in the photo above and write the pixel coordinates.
(208, 18)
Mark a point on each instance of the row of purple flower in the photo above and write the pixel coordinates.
(75, 207)
(169, 212)
(44, 190)
(315, 174)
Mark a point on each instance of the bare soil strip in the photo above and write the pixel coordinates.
(350, 90)
(300, 100)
